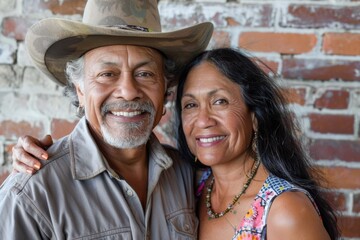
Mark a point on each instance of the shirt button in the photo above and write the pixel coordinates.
(186, 227)
(129, 193)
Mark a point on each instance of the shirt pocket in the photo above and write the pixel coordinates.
(184, 226)
(115, 234)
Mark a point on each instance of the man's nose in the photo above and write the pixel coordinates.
(127, 87)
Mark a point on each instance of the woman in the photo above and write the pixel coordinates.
(255, 180)
(260, 184)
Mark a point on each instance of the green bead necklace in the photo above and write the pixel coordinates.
(210, 211)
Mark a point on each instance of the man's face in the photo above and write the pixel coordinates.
(123, 93)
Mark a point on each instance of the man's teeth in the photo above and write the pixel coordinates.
(127, 114)
(210, 140)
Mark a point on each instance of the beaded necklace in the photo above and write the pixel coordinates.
(210, 211)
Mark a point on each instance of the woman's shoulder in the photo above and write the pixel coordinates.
(293, 213)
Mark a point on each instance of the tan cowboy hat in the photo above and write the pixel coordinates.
(52, 42)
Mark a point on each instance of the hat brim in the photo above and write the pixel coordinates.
(51, 43)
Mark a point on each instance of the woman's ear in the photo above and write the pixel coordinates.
(254, 121)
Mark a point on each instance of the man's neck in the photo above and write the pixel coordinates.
(131, 164)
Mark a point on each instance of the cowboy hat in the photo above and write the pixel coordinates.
(52, 42)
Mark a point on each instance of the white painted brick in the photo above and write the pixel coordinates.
(8, 77)
(2, 160)
(7, 6)
(53, 106)
(8, 50)
(36, 82)
(23, 59)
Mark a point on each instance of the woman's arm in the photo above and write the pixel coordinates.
(27, 151)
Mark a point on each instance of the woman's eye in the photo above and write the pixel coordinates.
(189, 105)
(220, 102)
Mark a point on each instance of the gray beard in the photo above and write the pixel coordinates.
(132, 137)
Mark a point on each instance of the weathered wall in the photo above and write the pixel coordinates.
(313, 45)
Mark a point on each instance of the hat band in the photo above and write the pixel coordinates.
(130, 27)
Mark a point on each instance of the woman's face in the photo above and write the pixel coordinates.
(217, 124)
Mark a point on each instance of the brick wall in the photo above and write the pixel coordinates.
(313, 45)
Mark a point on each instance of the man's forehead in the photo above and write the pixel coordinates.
(128, 51)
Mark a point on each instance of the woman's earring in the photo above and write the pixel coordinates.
(196, 159)
(254, 142)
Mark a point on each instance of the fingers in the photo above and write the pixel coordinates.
(45, 143)
(25, 152)
(21, 167)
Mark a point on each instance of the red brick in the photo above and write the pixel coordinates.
(349, 226)
(326, 149)
(337, 200)
(61, 128)
(285, 43)
(342, 177)
(16, 27)
(8, 152)
(64, 7)
(3, 176)
(296, 95)
(341, 44)
(330, 123)
(333, 99)
(12, 130)
(268, 66)
(356, 203)
(8, 148)
(320, 69)
(322, 16)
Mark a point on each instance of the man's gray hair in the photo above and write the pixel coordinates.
(75, 75)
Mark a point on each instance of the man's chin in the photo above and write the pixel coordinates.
(124, 140)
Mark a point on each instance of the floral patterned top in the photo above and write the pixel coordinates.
(253, 225)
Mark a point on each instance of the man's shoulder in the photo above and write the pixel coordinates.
(59, 147)
(13, 184)
(17, 182)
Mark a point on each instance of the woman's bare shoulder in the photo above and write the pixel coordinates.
(293, 216)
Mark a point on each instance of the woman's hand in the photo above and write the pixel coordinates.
(27, 151)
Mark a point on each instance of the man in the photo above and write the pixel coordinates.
(110, 178)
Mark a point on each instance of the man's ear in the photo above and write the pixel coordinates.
(80, 94)
(255, 123)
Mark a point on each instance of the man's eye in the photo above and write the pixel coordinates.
(106, 74)
(145, 74)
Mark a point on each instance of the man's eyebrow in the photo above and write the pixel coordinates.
(146, 62)
(140, 64)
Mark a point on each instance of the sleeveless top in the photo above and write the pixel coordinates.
(253, 225)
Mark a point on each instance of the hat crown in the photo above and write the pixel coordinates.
(139, 13)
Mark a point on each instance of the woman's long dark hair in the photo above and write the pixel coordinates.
(279, 146)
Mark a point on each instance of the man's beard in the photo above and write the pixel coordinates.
(132, 134)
